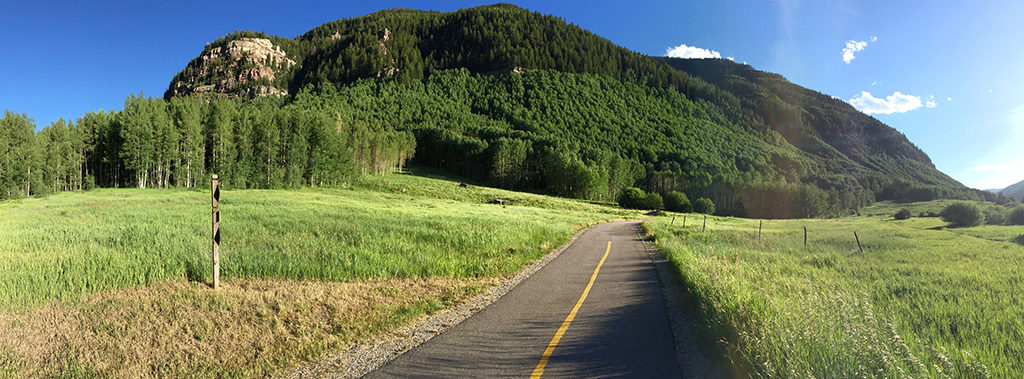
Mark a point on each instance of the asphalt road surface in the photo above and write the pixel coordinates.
(570, 319)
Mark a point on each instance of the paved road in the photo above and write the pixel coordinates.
(620, 329)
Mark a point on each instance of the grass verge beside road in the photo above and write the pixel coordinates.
(919, 301)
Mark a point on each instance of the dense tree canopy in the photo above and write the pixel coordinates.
(577, 135)
(156, 143)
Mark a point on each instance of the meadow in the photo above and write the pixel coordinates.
(921, 300)
(78, 270)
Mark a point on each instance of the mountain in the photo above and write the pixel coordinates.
(528, 101)
(1015, 191)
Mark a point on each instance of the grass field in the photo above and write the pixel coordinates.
(922, 300)
(129, 255)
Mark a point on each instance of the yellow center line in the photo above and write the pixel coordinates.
(539, 370)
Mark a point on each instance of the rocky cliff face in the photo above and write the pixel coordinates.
(245, 67)
(382, 37)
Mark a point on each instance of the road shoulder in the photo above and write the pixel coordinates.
(683, 317)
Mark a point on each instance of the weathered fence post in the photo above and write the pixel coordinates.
(215, 202)
(805, 236)
(705, 224)
(684, 221)
(858, 242)
(759, 224)
(673, 220)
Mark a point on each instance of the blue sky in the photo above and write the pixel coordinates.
(950, 72)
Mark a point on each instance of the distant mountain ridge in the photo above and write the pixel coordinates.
(1014, 191)
(795, 141)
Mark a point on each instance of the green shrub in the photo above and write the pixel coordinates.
(704, 205)
(677, 202)
(652, 201)
(962, 214)
(1017, 216)
(632, 198)
(996, 215)
(635, 198)
(902, 214)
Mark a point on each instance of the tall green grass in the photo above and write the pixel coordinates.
(920, 301)
(66, 245)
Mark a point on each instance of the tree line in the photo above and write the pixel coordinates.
(156, 143)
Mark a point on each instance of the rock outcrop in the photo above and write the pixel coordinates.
(245, 67)
(383, 36)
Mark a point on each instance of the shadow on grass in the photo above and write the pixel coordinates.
(437, 173)
(196, 272)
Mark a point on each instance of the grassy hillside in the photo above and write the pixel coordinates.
(802, 145)
(921, 300)
(306, 271)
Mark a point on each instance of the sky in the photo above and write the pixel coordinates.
(947, 74)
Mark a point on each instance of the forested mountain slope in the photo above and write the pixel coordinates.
(816, 122)
(747, 139)
(502, 95)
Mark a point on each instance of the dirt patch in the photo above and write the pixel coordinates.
(178, 328)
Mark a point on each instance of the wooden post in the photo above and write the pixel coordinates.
(684, 221)
(705, 224)
(759, 224)
(215, 202)
(673, 220)
(858, 243)
(805, 236)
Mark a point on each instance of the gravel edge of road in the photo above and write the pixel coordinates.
(362, 358)
(693, 363)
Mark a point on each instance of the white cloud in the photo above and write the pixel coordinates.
(999, 175)
(853, 47)
(949, 99)
(875, 83)
(731, 59)
(895, 103)
(683, 51)
(930, 104)
(874, 39)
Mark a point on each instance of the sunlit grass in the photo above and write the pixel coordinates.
(921, 300)
(396, 226)
(112, 282)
